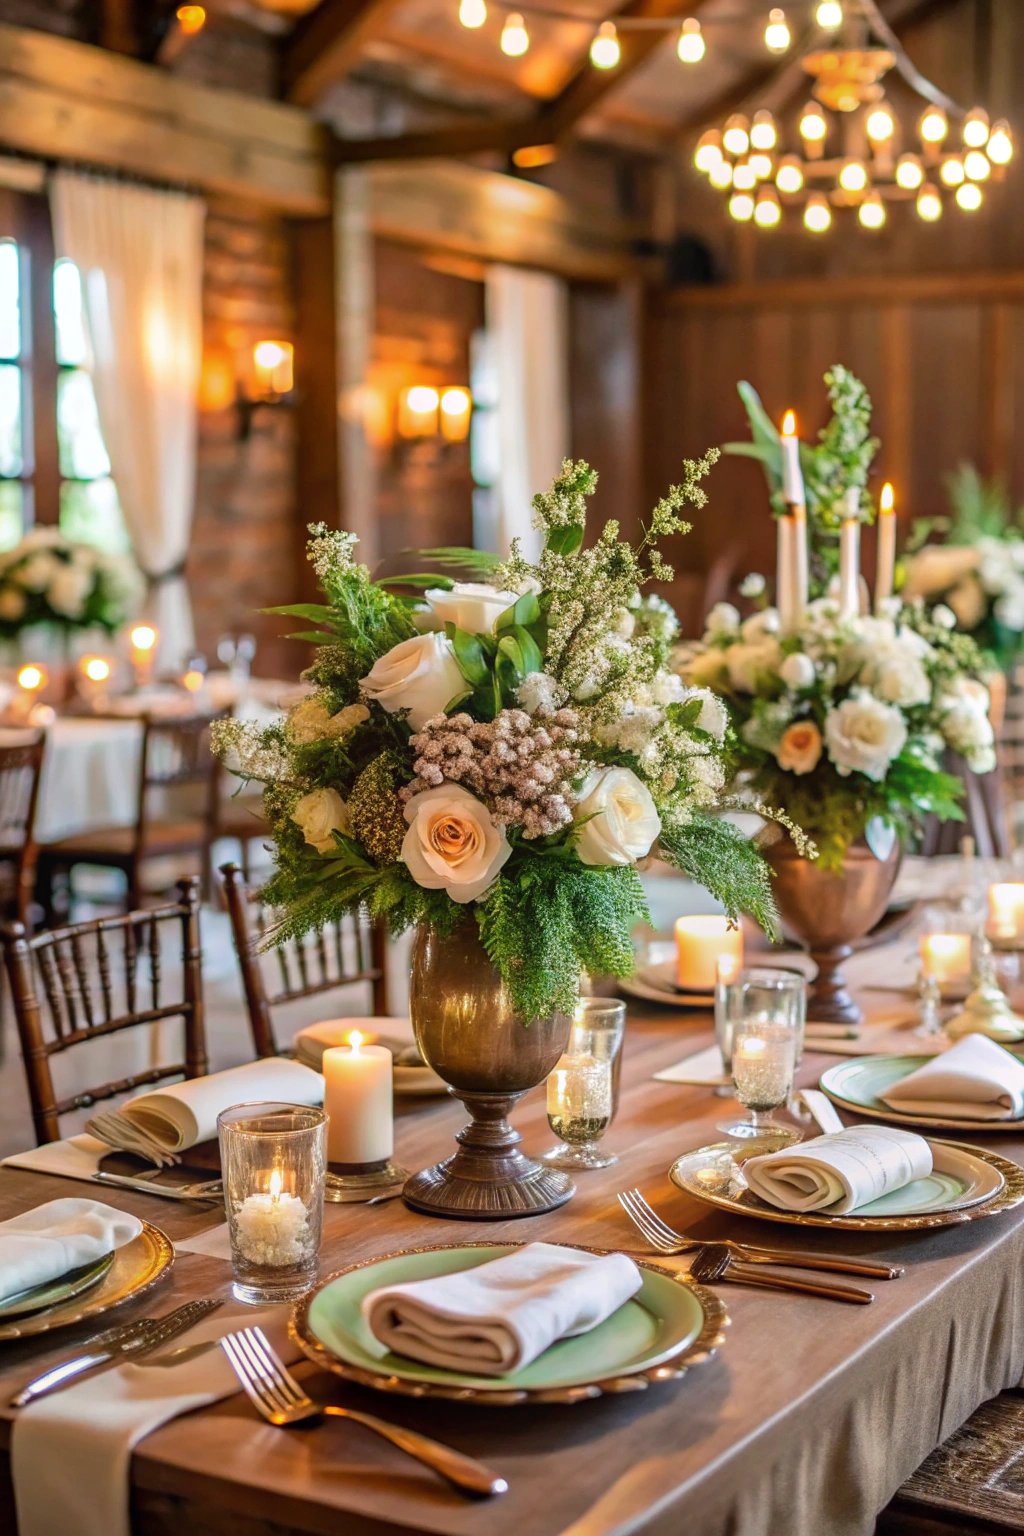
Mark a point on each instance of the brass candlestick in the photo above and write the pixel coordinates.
(986, 1010)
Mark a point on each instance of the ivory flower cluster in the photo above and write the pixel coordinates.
(49, 579)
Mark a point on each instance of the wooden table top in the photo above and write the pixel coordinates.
(635, 1462)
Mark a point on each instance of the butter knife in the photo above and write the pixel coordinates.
(159, 1331)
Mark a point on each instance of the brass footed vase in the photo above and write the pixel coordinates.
(830, 910)
(467, 1031)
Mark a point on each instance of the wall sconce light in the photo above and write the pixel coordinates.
(271, 382)
(456, 405)
(417, 411)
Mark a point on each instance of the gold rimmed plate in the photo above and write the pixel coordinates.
(971, 1183)
(38, 1297)
(857, 1085)
(670, 1325)
(133, 1269)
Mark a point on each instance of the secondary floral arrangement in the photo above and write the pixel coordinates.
(48, 579)
(977, 574)
(511, 766)
(844, 720)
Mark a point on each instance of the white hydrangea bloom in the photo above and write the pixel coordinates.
(753, 585)
(724, 619)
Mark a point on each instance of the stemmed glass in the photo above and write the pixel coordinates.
(760, 1018)
(583, 1088)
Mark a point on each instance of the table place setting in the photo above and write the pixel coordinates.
(974, 1084)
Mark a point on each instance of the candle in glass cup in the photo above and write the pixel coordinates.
(946, 956)
(762, 1069)
(143, 640)
(32, 679)
(358, 1098)
(702, 941)
(272, 1228)
(94, 677)
(1006, 910)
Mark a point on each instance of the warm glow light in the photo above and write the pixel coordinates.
(417, 411)
(455, 402)
(193, 680)
(736, 137)
(789, 177)
(728, 968)
(422, 398)
(276, 1184)
(853, 177)
(514, 37)
(969, 197)
(977, 165)
(871, 212)
(32, 678)
(952, 170)
(829, 14)
(909, 172)
(767, 211)
(532, 155)
(708, 153)
(720, 175)
(191, 19)
(761, 165)
(776, 33)
(789, 424)
(472, 13)
(95, 668)
(604, 50)
(812, 124)
(929, 203)
(762, 130)
(744, 177)
(274, 363)
(143, 637)
(690, 46)
(455, 406)
(933, 126)
(974, 130)
(1000, 143)
(817, 213)
(880, 125)
(887, 499)
(741, 206)
(355, 1040)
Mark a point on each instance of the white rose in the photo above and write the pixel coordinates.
(981, 759)
(747, 663)
(713, 717)
(12, 604)
(471, 605)
(894, 673)
(797, 671)
(425, 619)
(69, 589)
(453, 844)
(752, 585)
(319, 815)
(964, 718)
(864, 734)
(1009, 608)
(624, 820)
(419, 675)
(760, 624)
(944, 617)
(723, 619)
(37, 573)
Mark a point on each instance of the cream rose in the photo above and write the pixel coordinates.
(310, 721)
(799, 750)
(471, 605)
(419, 675)
(319, 815)
(453, 843)
(747, 662)
(864, 734)
(798, 671)
(624, 820)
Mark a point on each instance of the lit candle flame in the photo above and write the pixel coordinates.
(143, 637)
(887, 499)
(276, 1182)
(96, 669)
(355, 1040)
(31, 677)
(193, 680)
(789, 424)
(728, 968)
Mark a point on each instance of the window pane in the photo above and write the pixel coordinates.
(10, 420)
(69, 320)
(90, 513)
(82, 454)
(12, 500)
(10, 319)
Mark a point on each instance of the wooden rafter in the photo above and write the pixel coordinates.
(325, 43)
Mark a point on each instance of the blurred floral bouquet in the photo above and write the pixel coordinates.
(978, 573)
(844, 722)
(503, 750)
(47, 579)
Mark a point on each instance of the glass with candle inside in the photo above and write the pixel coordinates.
(760, 1016)
(274, 1163)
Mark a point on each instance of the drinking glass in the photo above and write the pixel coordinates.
(274, 1164)
(598, 1027)
(760, 1020)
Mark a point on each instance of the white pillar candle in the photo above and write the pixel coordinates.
(801, 566)
(784, 574)
(701, 943)
(849, 559)
(792, 475)
(358, 1098)
(886, 568)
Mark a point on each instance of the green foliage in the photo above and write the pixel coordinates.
(376, 814)
(721, 857)
(981, 508)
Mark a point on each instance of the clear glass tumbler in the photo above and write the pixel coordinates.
(580, 1111)
(274, 1164)
(760, 1021)
(598, 1028)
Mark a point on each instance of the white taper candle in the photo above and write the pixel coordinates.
(886, 568)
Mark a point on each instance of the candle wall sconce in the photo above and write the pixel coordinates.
(425, 413)
(270, 383)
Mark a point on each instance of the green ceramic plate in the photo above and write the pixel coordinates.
(857, 1085)
(665, 1318)
(63, 1289)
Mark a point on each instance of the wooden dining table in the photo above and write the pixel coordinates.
(803, 1423)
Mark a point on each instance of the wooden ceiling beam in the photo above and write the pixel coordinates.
(325, 44)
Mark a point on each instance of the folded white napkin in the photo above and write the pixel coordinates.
(78, 1157)
(186, 1113)
(704, 1067)
(498, 1317)
(45, 1243)
(838, 1173)
(71, 1452)
(974, 1080)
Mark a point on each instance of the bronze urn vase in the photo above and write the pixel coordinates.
(467, 1031)
(830, 910)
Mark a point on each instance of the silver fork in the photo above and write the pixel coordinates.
(668, 1241)
(273, 1390)
(714, 1262)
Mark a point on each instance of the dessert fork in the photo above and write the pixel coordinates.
(715, 1263)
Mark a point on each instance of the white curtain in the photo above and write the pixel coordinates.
(527, 323)
(140, 253)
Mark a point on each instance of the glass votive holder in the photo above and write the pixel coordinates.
(598, 1027)
(1006, 914)
(274, 1163)
(580, 1111)
(760, 1019)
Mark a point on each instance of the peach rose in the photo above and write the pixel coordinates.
(453, 843)
(800, 747)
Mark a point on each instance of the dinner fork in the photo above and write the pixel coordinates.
(668, 1241)
(273, 1390)
(714, 1263)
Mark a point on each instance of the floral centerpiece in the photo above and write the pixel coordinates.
(47, 579)
(497, 779)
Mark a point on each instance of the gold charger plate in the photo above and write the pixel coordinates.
(673, 1325)
(717, 1188)
(136, 1267)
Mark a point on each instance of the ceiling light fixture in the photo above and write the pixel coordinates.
(690, 46)
(776, 33)
(514, 37)
(736, 137)
(909, 171)
(929, 203)
(871, 212)
(789, 177)
(762, 130)
(741, 206)
(829, 14)
(969, 197)
(472, 13)
(604, 50)
(708, 153)
(817, 213)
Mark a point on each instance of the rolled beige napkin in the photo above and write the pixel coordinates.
(838, 1173)
(185, 1113)
(496, 1318)
(45, 1243)
(974, 1080)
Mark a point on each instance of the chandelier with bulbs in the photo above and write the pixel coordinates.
(854, 154)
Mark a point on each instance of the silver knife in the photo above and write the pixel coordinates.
(159, 1331)
(165, 1191)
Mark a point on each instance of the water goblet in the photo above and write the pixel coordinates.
(580, 1111)
(761, 1016)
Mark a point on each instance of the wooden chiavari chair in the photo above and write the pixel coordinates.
(345, 952)
(91, 980)
(21, 766)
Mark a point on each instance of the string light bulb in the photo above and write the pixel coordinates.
(789, 177)
(871, 212)
(708, 153)
(952, 170)
(761, 165)
(853, 176)
(741, 206)
(776, 33)
(880, 125)
(690, 46)
(969, 197)
(817, 213)
(974, 129)
(720, 175)
(812, 123)
(933, 126)
(1000, 143)
(744, 177)
(736, 137)
(909, 171)
(762, 130)
(767, 209)
(829, 14)
(977, 166)
(472, 13)
(514, 37)
(929, 203)
(604, 50)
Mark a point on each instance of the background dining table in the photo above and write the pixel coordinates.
(805, 1422)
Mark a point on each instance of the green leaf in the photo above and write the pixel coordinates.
(315, 611)
(523, 612)
(762, 429)
(424, 580)
(510, 648)
(765, 453)
(313, 636)
(460, 698)
(566, 539)
(685, 714)
(469, 654)
(533, 656)
(475, 562)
